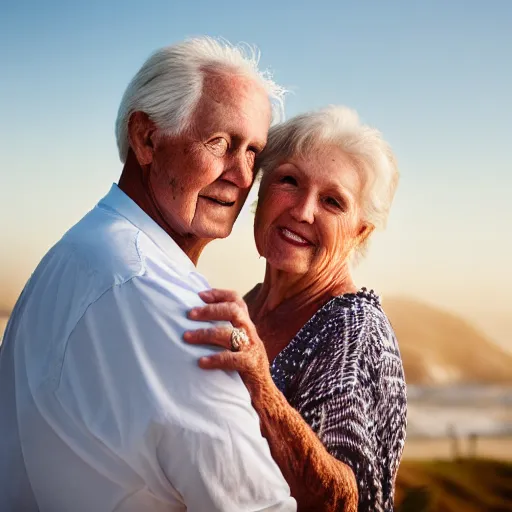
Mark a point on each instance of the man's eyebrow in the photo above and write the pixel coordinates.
(259, 146)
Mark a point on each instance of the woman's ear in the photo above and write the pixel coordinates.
(141, 132)
(365, 231)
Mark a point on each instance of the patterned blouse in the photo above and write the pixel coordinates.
(343, 373)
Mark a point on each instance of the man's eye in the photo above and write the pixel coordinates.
(218, 146)
(251, 157)
(289, 180)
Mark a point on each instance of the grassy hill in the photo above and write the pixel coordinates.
(460, 486)
(440, 348)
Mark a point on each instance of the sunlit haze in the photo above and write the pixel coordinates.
(434, 77)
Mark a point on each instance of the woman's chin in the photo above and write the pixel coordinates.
(288, 265)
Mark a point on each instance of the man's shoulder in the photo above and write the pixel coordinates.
(105, 245)
(112, 251)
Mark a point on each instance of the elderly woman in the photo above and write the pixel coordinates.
(319, 356)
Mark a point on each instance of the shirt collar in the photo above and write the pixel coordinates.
(118, 201)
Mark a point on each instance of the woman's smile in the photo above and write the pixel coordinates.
(327, 182)
(292, 237)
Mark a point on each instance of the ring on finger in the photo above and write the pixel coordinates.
(239, 338)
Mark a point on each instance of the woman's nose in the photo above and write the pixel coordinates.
(304, 209)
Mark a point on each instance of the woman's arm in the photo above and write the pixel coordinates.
(317, 480)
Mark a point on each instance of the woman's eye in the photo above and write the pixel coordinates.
(289, 180)
(218, 146)
(334, 202)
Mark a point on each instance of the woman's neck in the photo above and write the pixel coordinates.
(284, 302)
(280, 289)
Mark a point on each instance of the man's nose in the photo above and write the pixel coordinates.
(240, 170)
(304, 209)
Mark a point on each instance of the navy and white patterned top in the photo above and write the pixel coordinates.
(343, 373)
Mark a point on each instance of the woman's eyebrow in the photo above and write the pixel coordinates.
(344, 193)
(291, 164)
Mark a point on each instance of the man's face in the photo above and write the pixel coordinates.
(200, 179)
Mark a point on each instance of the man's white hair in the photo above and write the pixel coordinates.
(169, 84)
(340, 126)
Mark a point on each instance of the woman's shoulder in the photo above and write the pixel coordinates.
(355, 335)
(359, 317)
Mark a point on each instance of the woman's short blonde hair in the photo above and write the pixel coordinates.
(340, 126)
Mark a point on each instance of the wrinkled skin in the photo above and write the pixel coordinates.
(195, 184)
(252, 360)
(317, 480)
(318, 198)
(308, 222)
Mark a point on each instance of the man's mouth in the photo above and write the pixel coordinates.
(293, 237)
(221, 202)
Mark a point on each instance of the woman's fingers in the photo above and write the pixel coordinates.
(229, 361)
(222, 311)
(217, 295)
(220, 336)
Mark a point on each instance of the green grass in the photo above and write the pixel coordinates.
(460, 486)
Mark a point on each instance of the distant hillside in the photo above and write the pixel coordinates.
(441, 348)
(438, 347)
(469, 485)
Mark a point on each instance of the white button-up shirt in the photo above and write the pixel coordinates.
(102, 405)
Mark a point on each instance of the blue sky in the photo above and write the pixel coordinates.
(435, 77)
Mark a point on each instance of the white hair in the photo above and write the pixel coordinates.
(340, 126)
(169, 84)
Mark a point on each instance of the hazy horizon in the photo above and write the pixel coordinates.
(431, 76)
(242, 268)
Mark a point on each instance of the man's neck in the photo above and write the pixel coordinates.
(134, 184)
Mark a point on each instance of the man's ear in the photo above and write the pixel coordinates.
(141, 133)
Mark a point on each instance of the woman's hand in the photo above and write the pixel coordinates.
(251, 360)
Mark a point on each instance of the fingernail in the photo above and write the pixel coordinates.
(193, 313)
(187, 335)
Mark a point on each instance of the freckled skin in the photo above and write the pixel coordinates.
(317, 196)
(172, 177)
(305, 205)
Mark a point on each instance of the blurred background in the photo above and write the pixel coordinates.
(435, 77)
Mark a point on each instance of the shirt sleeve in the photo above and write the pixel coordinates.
(185, 433)
(345, 431)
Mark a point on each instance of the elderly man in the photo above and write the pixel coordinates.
(103, 405)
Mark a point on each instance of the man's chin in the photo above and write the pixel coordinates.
(214, 221)
(214, 232)
(224, 233)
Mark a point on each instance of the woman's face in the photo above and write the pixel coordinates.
(308, 214)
